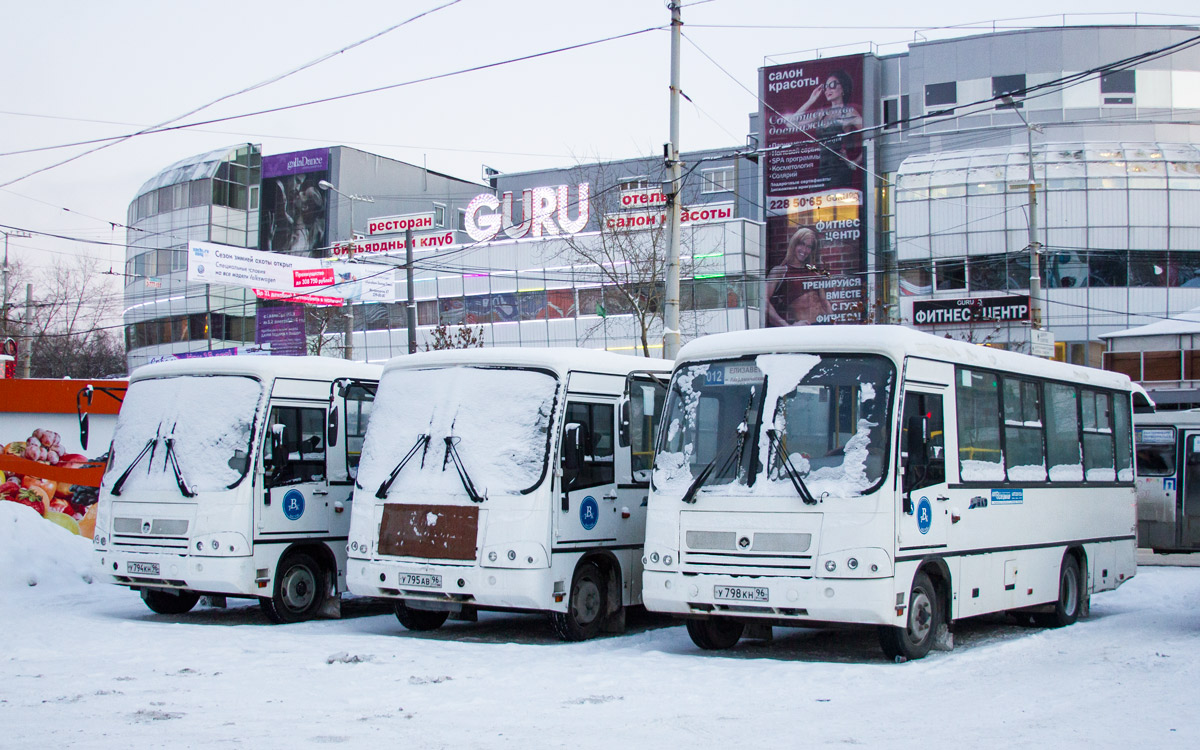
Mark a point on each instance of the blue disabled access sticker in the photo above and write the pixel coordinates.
(1008, 497)
(293, 505)
(924, 515)
(589, 513)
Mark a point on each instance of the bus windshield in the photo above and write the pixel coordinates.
(775, 423)
(493, 423)
(186, 431)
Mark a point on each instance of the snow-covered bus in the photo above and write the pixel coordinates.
(508, 479)
(232, 477)
(876, 475)
(1167, 449)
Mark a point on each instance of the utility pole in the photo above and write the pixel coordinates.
(671, 153)
(348, 329)
(411, 310)
(27, 350)
(1035, 279)
(4, 289)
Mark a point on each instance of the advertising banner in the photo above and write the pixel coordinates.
(48, 461)
(288, 277)
(293, 211)
(283, 328)
(815, 186)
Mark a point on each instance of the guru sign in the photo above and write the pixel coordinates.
(545, 211)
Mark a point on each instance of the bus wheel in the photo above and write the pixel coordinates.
(1067, 608)
(924, 617)
(419, 619)
(715, 634)
(299, 590)
(170, 602)
(585, 608)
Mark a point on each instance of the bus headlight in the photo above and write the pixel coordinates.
(515, 555)
(864, 562)
(223, 544)
(659, 558)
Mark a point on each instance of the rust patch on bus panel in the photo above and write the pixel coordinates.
(440, 532)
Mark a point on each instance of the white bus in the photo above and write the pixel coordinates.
(880, 476)
(508, 479)
(232, 477)
(1167, 445)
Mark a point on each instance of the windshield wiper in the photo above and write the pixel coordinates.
(381, 493)
(726, 458)
(116, 488)
(173, 458)
(452, 455)
(797, 482)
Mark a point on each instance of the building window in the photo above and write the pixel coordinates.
(462, 220)
(633, 183)
(891, 113)
(439, 215)
(1013, 86)
(939, 94)
(1118, 87)
(718, 180)
(951, 274)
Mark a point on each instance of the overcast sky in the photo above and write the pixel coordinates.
(77, 71)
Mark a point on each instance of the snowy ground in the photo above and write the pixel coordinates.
(88, 666)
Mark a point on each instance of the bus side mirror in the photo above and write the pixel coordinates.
(83, 431)
(331, 431)
(623, 430)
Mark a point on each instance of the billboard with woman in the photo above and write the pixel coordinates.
(815, 184)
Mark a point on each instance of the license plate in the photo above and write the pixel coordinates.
(419, 580)
(741, 593)
(142, 568)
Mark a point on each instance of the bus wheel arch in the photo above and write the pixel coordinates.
(1070, 603)
(593, 599)
(301, 584)
(927, 611)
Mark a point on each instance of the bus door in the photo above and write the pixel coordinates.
(924, 516)
(588, 502)
(295, 491)
(1189, 514)
(641, 412)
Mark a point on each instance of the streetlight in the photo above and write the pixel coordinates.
(348, 332)
(1035, 279)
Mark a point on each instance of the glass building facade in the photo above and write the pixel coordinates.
(210, 197)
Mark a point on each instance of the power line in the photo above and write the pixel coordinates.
(106, 143)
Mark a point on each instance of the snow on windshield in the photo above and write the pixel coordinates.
(828, 413)
(843, 471)
(499, 418)
(210, 418)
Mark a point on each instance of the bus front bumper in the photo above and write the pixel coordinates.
(869, 601)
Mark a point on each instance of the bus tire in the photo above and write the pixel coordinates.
(925, 616)
(419, 619)
(299, 590)
(586, 606)
(1070, 596)
(715, 633)
(168, 602)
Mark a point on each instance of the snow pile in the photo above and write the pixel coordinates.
(35, 552)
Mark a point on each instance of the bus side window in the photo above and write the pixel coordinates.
(596, 423)
(923, 411)
(646, 405)
(358, 411)
(303, 449)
